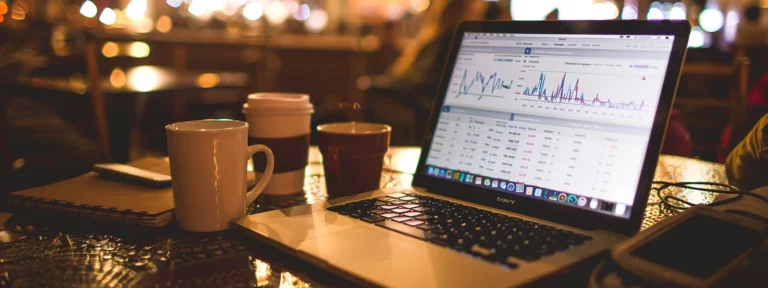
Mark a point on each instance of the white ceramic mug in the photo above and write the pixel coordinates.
(208, 172)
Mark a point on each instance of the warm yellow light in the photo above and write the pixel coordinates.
(117, 78)
(108, 16)
(277, 13)
(88, 9)
(263, 272)
(110, 49)
(316, 21)
(253, 11)
(3, 8)
(138, 50)
(136, 9)
(144, 78)
(1, 18)
(288, 280)
(208, 80)
(18, 16)
(418, 6)
(164, 24)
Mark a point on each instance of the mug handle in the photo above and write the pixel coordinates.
(334, 163)
(256, 191)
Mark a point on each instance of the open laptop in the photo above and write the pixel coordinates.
(539, 153)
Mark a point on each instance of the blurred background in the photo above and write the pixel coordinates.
(97, 80)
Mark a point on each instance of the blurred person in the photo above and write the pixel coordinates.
(747, 165)
(414, 77)
(750, 32)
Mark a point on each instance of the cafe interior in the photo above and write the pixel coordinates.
(87, 82)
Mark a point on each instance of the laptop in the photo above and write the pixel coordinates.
(539, 153)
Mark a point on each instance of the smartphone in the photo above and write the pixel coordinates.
(696, 248)
(121, 172)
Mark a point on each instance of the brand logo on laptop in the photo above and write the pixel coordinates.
(505, 200)
(478, 180)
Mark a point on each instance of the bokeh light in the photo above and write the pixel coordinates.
(208, 80)
(3, 8)
(677, 12)
(110, 49)
(164, 24)
(174, 3)
(629, 12)
(418, 6)
(136, 9)
(88, 9)
(302, 13)
(604, 10)
(144, 78)
(108, 16)
(117, 78)
(731, 26)
(253, 11)
(138, 49)
(317, 21)
(696, 40)
(277, 13)
(711, 19)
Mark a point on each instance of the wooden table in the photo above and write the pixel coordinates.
(46, 250)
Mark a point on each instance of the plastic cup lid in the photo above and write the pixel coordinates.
(278, 101)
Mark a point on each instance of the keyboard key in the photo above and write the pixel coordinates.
(426, 226)
(408, 198)
(386, 199)
(378, 211)
(482, 251)
(373, 219)
(424, 217)
(411, 214)
(398, 202)
(397, 195)
(400, 210)
(414, 222)
(410, 206)
(407, 230)
(389, 215)
(420, 209)
(401, 218)
(388, 207)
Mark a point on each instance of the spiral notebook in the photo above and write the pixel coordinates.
(93, 197)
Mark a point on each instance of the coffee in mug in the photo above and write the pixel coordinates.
(353, 156)
(208, 172)
(281, 121)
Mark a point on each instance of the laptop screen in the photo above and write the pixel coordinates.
(564, 119)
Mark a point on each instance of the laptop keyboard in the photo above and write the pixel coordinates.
(492, 236)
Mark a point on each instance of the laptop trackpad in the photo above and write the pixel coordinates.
(378, 254)
(393, 260)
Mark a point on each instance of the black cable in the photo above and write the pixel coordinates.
(727, 189)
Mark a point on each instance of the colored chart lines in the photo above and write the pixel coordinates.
(488, 85)
(572, 96)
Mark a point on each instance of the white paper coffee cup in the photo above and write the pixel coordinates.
(281, 121)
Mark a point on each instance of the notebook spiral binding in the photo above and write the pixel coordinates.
(96, 212)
